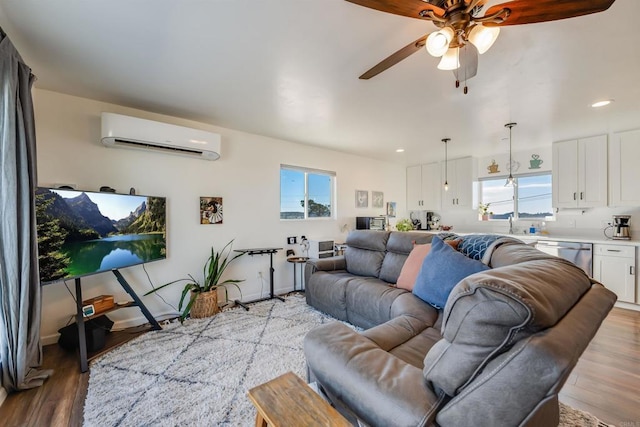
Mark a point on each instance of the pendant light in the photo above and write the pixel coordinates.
(510, 181)
(446, 183)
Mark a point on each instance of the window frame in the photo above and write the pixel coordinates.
(332, 196)
(516, 216)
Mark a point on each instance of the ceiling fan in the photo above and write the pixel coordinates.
(464, 31)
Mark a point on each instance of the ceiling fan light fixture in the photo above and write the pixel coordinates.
(450, 60)
(483, 37)
(438, 42)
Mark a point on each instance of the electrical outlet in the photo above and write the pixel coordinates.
(291, 240)
(259, 274)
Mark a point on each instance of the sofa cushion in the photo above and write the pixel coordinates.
(489, 311)
(365, 252)
(475, 245)
(411, 267)
(442, 269)
(399, 246)
(369, 301)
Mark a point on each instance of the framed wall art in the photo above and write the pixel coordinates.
(377, 199)
(210, 210)
(362, 199)
(391, 209)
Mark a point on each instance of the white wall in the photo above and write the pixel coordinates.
(247, 177)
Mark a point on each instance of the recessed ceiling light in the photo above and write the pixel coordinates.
(602, 103)
(400, 150)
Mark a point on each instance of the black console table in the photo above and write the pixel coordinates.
(261, 251)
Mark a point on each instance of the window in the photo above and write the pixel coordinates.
(306, 193)
(529, 199)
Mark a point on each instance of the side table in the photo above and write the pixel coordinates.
(289, 401)
(301, 261)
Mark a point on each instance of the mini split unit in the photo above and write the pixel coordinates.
(140, 134)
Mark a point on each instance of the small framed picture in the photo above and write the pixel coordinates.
(377, 199)
(210, 210)
(391, 209)
(362, 199)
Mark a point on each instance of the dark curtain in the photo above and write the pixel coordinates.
(20, 297)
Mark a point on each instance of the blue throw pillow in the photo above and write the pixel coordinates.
(475, 245)
(441, 270)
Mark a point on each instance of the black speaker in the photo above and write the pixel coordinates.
(95, 332)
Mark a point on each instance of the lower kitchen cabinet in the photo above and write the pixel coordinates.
(615, 267)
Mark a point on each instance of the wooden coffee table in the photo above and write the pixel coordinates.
(289, 401)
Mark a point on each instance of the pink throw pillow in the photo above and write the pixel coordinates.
(412, 266)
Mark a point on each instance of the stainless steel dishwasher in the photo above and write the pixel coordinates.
(581, 254)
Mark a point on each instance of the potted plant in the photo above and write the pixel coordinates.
(483, 210)
(203, 296)
(404, 225)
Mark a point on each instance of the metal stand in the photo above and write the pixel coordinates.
(261, 251)
(301, 261)
(82, 337)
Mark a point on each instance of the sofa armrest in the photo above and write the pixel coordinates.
(328, 264)
(334, 263)
(378, 387)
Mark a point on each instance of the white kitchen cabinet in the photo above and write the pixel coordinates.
(580, 173)
(460, 174)
(423, 187)
(624, 170)
(615, 267)
(414, 188)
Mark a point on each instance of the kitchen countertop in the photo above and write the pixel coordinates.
(560, 237)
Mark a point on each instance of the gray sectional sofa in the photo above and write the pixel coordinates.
(496, 355)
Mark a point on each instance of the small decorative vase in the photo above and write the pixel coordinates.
(205, 305)
(485, 217)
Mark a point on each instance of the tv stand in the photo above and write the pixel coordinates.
(80, 319)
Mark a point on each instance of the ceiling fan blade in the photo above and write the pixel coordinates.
(392, 60)
(468, 58)
(410, 8)
(531, 11)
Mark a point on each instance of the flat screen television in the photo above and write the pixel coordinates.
(82, 232)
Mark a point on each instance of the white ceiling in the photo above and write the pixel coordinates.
(289, 69)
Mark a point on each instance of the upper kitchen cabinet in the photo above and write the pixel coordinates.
(460, 174)
(624, 169)
(580, 173)
(423, 187)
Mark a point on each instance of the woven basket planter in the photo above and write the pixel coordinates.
(205, 305)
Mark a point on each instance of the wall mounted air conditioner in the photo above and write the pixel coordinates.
(131, 132)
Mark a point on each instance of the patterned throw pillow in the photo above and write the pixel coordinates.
(475, 245)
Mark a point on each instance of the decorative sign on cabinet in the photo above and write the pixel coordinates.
(580, 173)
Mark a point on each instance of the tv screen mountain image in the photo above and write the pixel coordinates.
(82, 232)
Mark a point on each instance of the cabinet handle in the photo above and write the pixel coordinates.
(581, 195)
(631, 270)
(614, 250)
(574, 196)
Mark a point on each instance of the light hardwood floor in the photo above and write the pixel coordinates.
(605, 382)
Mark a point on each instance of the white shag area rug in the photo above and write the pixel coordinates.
(199, 373)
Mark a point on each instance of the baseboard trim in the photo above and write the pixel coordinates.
(627, 306)
(139, 320)
(3, 395)
(120, 324)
